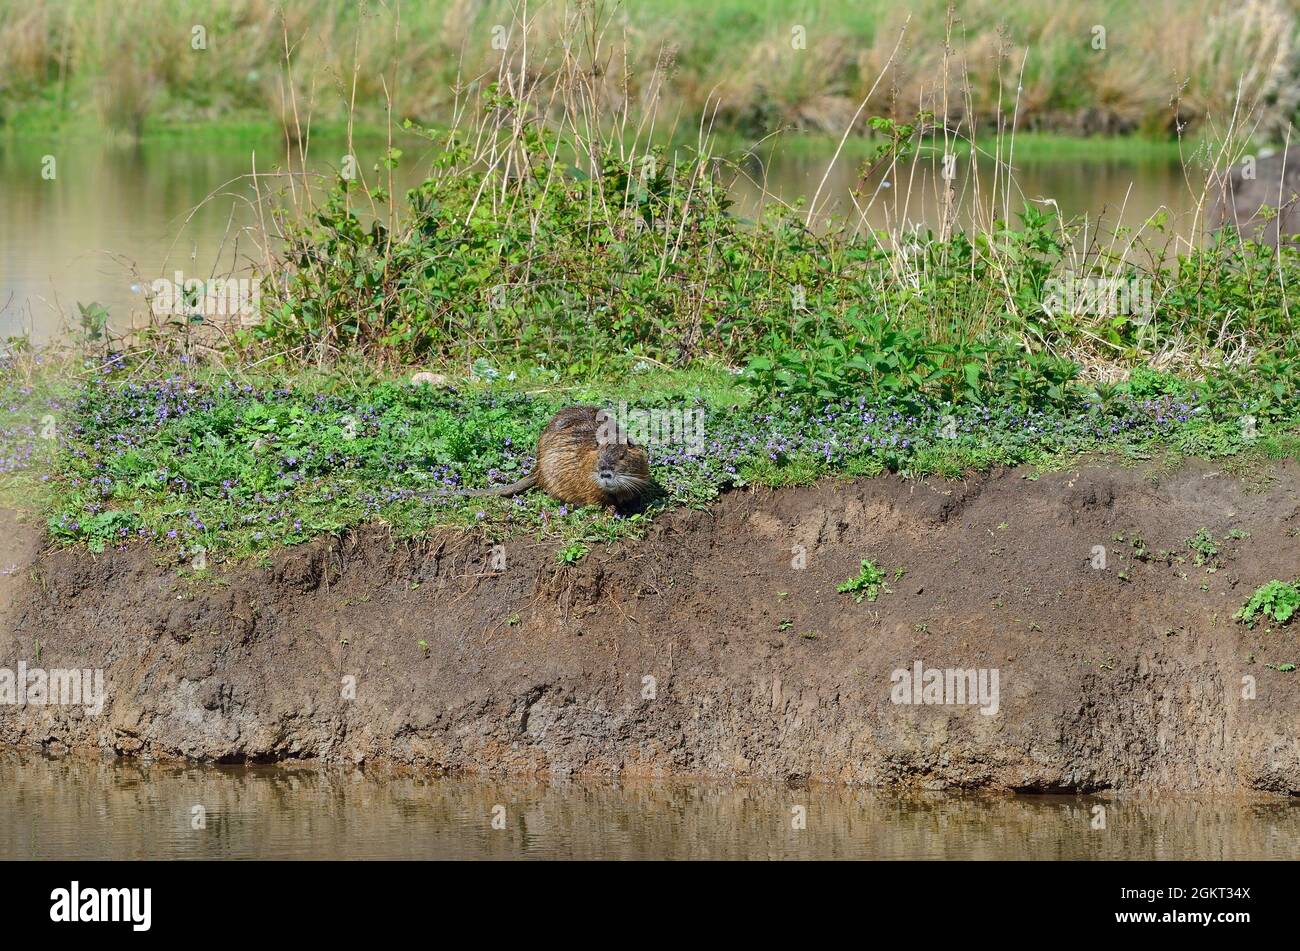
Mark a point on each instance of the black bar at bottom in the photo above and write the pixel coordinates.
(943, 900)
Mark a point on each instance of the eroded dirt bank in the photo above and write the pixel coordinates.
(1128, 677)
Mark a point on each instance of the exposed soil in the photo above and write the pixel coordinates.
(1127, 678)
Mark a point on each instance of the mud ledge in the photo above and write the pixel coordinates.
(1129, 678)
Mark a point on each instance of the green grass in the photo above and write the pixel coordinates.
(203, 464)
(227, 132)
(1029, 146)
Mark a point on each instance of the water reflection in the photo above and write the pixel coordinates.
(1116, 191)
(89, 808)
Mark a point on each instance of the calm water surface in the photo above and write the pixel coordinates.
(79, 808)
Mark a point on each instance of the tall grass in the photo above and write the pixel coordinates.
(551, 231)
(1164, 64)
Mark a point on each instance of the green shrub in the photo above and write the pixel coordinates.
(588, 261)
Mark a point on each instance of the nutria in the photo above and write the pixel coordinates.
(583, 458)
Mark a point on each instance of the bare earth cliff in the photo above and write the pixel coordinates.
(702, 650)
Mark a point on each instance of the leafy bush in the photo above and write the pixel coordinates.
(584, 261)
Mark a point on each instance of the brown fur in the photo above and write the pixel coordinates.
(576, 447)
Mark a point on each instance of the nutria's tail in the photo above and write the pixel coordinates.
(523, 485)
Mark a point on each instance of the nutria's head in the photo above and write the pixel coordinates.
(622, 469)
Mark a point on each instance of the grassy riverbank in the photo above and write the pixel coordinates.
(1096, 67)
(554, 255)
(232, 465)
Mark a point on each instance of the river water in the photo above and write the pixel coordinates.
(78, 808)
(84, 221)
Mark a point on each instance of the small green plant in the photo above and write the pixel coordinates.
(573, 553)
(1282, 668)
(1276, 600)
(1203, 546)
(869, 583)
(98, 530)
(93, 318)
